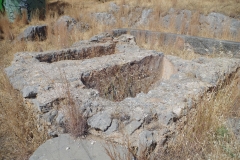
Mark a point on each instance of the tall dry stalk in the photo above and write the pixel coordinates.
(76, 122)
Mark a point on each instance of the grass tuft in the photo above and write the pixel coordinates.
(76, 122)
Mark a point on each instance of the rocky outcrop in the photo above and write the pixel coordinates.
(65, 147)
(34, 33)
(121, 89)
(198, 45)
(104, 18)
(187, 21)
(65, 22)
(68, 23)
(181, 21)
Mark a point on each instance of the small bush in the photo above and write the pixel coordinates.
(76, 122)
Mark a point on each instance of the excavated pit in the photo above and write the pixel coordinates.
(171, 85)
(80, 53)
(118, 82)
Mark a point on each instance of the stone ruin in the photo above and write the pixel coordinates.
(124, 91)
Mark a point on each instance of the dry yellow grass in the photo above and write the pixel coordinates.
(155, 43)
(72, 8)
(204, 133)
(230, 7)
(18, 133)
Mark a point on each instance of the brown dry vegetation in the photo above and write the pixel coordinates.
(76, 122)
(19, 136)
(205, 133)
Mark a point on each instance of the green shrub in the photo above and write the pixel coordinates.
(1, 6)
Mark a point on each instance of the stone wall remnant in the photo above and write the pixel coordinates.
(122, 89)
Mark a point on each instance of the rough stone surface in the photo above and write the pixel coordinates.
(69, 23)
(105, 18)
(100, 37)
(33, 33)
(167, 118)
(127, 38)
(66, 21)
(113, 7)
(113, 127)
(49, 116)
(121, 88)
(100, 121)
(119, 32)
(133, 126)
(60, 118)
(146, 141)
(146, 138)
(30, 92)
(144, 17)
(65, 147)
